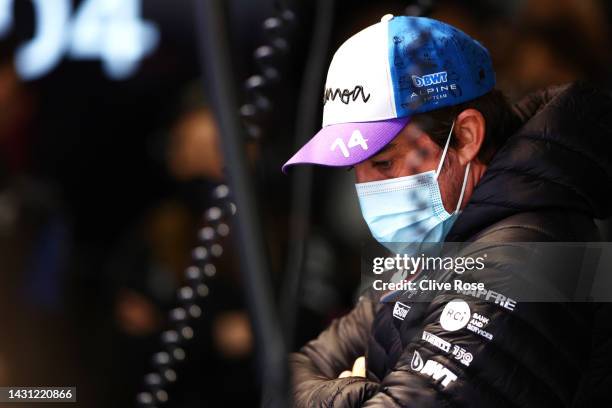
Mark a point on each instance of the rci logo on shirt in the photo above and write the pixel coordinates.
(432, 369)
(431, 79)
(455, 315)
(400, 310)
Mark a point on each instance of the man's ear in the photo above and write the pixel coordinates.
(469, 133)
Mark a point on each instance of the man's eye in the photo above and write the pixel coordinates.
(383, 164)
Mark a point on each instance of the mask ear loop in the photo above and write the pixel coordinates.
(445, 150)
(467, 168)
(465, 177)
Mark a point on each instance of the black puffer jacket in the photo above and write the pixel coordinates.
(546, 184)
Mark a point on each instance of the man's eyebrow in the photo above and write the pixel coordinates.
(389, 146)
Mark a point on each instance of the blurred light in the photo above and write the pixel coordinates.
(41, 54)
(126, 45)
(109, 30)
(6, 17)
(112, 31)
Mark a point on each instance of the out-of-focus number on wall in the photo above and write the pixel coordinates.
(110, 30)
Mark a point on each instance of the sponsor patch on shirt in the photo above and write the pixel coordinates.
(400, 310)
(433, 369)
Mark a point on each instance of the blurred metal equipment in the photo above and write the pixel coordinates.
(306, 126)
(190, 297)
(253, 114)
(258, 104)
(255, 269)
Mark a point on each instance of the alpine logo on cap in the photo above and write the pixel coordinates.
(431, 79)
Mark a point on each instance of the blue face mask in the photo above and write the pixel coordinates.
(408, 210)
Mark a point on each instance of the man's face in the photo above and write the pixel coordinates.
(413, 152)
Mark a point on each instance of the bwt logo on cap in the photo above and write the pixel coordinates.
(431, 79)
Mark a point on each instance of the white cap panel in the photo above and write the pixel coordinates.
(358, 86)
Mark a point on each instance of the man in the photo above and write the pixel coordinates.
(440, 156)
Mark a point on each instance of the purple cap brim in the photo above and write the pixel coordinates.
(330, 146)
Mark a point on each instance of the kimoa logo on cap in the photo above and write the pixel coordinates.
(431, 79)
(346, 95)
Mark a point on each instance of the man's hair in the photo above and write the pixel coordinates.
(500, 122)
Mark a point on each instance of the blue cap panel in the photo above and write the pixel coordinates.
(434, 65)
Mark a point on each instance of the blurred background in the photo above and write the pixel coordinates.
(109, 153)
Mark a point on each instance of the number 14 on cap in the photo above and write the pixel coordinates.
(355, 140)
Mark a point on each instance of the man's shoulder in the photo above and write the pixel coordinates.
(553, 225)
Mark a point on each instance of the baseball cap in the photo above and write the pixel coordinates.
(386, 73)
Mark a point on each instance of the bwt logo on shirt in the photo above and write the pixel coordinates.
(432, 369)
(431, 79)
